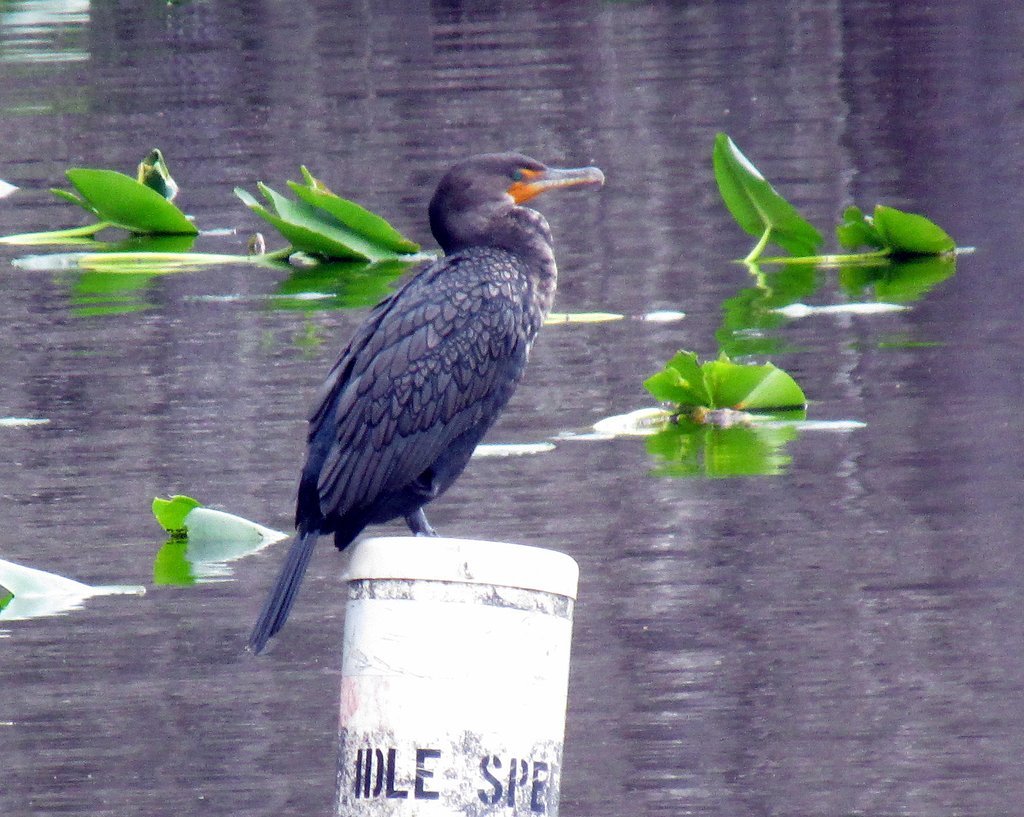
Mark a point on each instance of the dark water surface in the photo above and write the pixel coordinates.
(845, 638)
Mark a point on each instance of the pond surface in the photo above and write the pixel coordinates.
(846, 637)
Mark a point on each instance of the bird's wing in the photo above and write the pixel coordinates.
(438, 359)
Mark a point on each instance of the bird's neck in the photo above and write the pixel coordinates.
(531, 241)
(519, 230)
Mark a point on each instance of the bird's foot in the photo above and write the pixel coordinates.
(418, 524)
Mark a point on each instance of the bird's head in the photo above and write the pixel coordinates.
(478, 191)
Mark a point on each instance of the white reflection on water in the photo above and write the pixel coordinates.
(38, 31)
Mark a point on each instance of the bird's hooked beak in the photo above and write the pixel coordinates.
(534, 182)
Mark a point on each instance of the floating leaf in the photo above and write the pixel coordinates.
(124, 202)
(899, 232)
(171, 513)
(757, 206)
(325, 225)
(857, 231)
(22, 422)
(74, 235)
(498, 450)
(640, 423)
(663, 316)
(304, 230)
(206, 542)
(750, 387)
(582, 317)
(352, 215)
(910, 233)
(681, 382)
(225, 531)
(722, 384)
(795, 311)
(156, 262)
(185, 517)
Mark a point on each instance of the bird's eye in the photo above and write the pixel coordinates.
(518, 175)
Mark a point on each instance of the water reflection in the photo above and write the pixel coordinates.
(751, 318)
(689, 449)
(337, 285)
(902, 281)
(43, 31)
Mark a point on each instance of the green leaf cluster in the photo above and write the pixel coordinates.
(327, 226)
(898, 232)
(761, 211)
(318, 224)
(723, 384)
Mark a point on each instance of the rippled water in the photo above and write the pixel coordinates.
(844, 638)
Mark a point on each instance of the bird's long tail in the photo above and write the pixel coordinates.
(275, 610)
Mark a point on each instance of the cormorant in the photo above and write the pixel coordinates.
(431, 368)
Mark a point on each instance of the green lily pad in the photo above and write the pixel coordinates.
(857, 230)
(185, 517)
(171, 513)
(203, 541)
(748, 387)
(309, 231)
(124, 202)
(910, 233)
(902, 233)
(229, 536)
(352, 215)
(757, 206)
(723, 384)
(681, 382)
(324, 225)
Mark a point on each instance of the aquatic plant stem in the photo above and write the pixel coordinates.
(163, 261)
(828, 260)
(56, 236)
(755, 253)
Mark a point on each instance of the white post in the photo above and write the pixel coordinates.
(455, 672)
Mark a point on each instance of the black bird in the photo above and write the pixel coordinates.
(432, 367)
